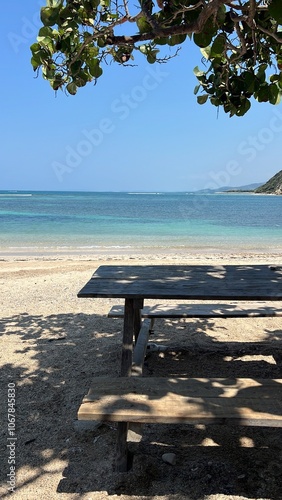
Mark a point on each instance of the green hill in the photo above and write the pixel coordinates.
(273, 186)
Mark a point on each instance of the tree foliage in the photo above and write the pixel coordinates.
(240, 43)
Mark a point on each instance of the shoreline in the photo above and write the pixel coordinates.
(144, 257)
(88, 251)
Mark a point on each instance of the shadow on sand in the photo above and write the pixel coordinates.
(60, 354)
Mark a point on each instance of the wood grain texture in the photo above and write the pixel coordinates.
(121, 464)
(230, 282)
(256, 402)
(239, 310)
(140, 348)
(127, 339)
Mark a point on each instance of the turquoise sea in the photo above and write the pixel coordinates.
(85, 223)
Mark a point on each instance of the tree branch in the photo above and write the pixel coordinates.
(270, 33)
(183, 29)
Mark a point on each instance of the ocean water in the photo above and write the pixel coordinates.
(86, 223)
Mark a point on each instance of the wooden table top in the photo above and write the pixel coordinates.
(194, 282)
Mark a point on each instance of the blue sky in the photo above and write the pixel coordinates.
(139, 129)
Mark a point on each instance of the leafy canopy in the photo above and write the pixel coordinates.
(240, 43)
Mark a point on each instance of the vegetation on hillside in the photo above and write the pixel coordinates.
(273, 186)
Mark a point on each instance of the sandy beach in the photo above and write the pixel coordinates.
(53, 344)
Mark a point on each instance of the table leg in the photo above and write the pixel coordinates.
(138, 304)
(131, 315)
(127, 341)
(122, 451)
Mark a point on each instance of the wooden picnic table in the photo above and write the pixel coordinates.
(136, 283)
(194, 282)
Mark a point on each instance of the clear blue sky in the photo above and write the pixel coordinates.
(138, 129)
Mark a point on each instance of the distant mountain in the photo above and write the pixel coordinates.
(273, 186)
(229, 189)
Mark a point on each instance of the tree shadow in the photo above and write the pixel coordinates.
(211, 459)
(59, 357)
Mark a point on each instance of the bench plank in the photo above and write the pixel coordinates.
(256, 402)
(240, 310)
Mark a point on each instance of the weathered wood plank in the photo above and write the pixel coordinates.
(131, 309)
(240, 310)
(139, 353)
(256, 402)
(121, 449)
(140, 348)
(257, 282)
(137, 320)
(127, 341)
(172, 270)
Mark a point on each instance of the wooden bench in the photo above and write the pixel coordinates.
(133, 401)
(201, 311)
(230, 310)
(243, 401)
(138, 400)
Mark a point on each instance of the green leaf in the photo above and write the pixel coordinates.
(143, 25)
(176, 39)
(273, 92)
(71, 88)
(279, 98)
(206, 51)
(198, 72)
(261, 73)
(54, 3)
(262, 95)
(196, 89)
(35, 47)
(45, 31)
(202, 98)
(143, 49)
(215, 101)
(94, 68)
(49, 16)
(274, 78)
(39, 54)
(105, 3)
(47, 42)
(92, 51)
(161, 41)
(152, 56)
(244, 107)
(35, 63)
(48, 73)
(101, 42)
(57, 82)
(218, 46)
(275, 10)
(248, 79)
(76, 66)
(221, 14)
(204, 38)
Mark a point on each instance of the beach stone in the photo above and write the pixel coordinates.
(169, 458)
(134, 433)
(133, 437)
